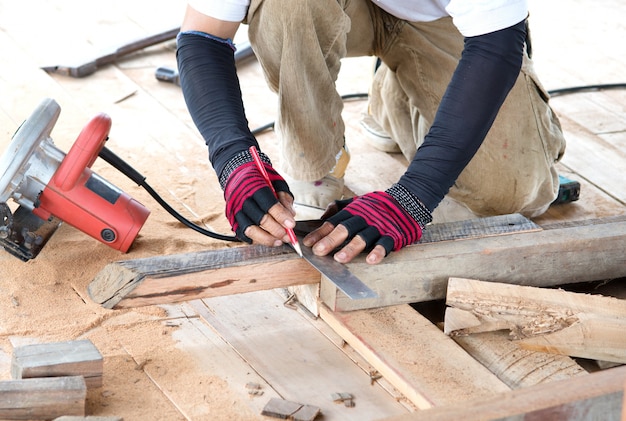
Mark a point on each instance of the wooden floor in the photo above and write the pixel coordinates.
(261, 337)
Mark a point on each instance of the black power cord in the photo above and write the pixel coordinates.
(135, 176)
(119, 164)
(553, 93)
(586, 88)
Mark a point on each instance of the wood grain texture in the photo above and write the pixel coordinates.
(183, 277)
(541, 319)
(594, 397)
(543, 258)
(188, 276)
(293, 356)
(59, 359)
(413, 355)
(515, 366)
(42, 399)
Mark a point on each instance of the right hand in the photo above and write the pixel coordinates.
(255, 214)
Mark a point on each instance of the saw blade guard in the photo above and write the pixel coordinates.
(31, 159)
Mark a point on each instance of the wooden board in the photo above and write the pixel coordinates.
(414, 355)
(297, 360)
(517, 367)
(59, 359)
(184, 277)
(548, 320)
(46, 398)
(544, 258)
(595, 397)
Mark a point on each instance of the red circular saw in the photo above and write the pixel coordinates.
(51, 187)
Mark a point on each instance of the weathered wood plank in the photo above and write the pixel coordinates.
(46, 398)
(295, 358)
(413, 355)
(59, 359)
(595, 397)
(184, 277)
(544, 258)
(517, 367)
(541, 319)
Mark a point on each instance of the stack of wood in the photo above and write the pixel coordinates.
(526, 336)
(50, 381)
(539, 319)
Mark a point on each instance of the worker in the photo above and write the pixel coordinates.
(456, 90)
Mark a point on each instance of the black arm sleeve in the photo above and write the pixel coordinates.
(211, 89)
(487, 71)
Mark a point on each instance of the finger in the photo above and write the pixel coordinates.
(282, 216)
(376, 255)
(331, 241)
(350, 250)
(286, 200)
(313, 237)
(369, 235)
(260, 236)
(273, 228)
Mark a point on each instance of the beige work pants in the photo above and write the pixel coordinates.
(300, 44)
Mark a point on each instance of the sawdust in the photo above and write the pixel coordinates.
(146, 373)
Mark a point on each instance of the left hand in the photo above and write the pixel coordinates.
(375, 222)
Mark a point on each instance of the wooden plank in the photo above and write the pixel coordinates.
(595, 397)
(587, 152)
(59, 359)
(47, 398)
(517, 367)
(297, 360)
(548, 320)
(188, 276)
(414, 355)
(183, 277)
(201, 357)
(544, 258)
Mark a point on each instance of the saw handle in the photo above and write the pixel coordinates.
(84, 152)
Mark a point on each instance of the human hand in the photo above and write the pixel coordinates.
(255, 214)
(375, 222)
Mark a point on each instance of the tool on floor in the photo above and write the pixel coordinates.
(87, 67)
(51, 187)
(569, 191)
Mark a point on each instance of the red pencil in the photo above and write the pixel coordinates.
(257, 160)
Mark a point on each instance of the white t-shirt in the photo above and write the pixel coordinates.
(471, 17)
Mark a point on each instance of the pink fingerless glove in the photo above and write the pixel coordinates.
(393, 219)
(247, 194)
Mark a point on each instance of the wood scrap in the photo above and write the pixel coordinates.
(552, 256)
(598, 396)
(42, 398)
(59, 359)
(540, 319)
(287, 410)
